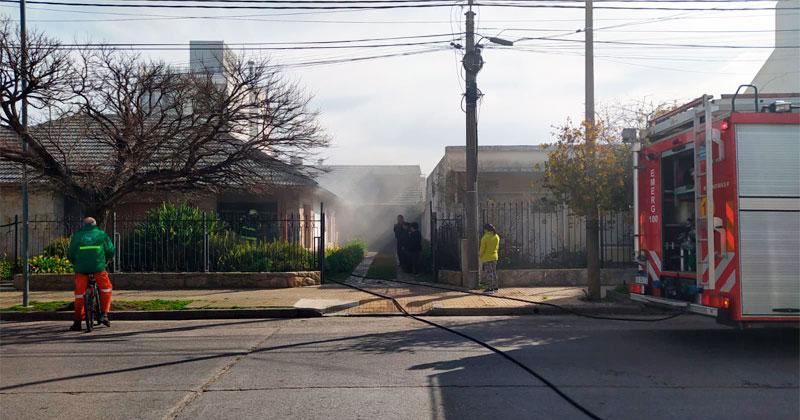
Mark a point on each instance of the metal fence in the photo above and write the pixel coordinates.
(533, 236)
(446, 237)
(214, 243)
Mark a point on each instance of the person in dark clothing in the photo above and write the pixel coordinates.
(414, 247)
(401, 236)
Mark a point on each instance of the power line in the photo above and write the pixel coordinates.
(185, 47)
(647, 30)
(395, 4)
(359, 59)
(650, 44)
(230, 44)
(348, 6)
(565, 6)
(266, 17)
(432, 1)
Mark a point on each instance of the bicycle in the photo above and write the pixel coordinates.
(91, 304)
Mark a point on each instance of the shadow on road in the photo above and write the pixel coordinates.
(620, 372)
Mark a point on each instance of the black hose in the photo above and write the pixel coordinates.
(503, 354)
(552, 305)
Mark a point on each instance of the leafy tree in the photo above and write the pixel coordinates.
(589, 169)
(589, 177)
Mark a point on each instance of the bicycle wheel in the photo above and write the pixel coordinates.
(88, 308)
(98, 315)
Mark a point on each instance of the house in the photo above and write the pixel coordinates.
(280, 193)
(372, 196)
(283, 192)
(535, 230)
(505, 174)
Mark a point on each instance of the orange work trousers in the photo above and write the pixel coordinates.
(103, 283)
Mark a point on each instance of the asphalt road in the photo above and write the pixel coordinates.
(396, 368)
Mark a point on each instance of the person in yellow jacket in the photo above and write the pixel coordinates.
(490, 245)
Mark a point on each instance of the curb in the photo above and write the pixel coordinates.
(607, 310)
(540, 310)
(183, 315)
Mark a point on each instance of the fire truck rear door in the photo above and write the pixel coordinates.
(768, 166)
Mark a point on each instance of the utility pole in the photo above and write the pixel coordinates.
(472, 65)
(23, 38)
(592, 219)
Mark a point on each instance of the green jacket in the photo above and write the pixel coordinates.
(89, 249)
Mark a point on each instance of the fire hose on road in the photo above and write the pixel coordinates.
(499, 352)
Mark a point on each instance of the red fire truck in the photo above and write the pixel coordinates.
(717, 185)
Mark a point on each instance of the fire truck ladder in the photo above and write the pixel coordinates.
(704, 194)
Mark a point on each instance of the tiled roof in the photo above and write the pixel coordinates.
(73, 140)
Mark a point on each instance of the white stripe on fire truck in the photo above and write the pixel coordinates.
(651, 271)
(656, 260)
(729, 283)
(723, 265)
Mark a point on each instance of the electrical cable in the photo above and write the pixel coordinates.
(481, 343)
(145, 47)
(265, 17)
(436, 1)
(340, 41)
(349, 6)
(651, 44)
(552, 305)
(343, 5)
(562, 6)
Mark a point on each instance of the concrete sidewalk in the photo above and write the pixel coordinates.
(334, 299)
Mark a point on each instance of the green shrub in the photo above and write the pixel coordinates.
(52, 265)
(241, 256)
(57, 247)
(289, 257)
(230, 253)
(171, 239)
(6, 268)
(344, 259)
(177, 228)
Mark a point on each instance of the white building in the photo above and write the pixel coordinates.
(781, 72)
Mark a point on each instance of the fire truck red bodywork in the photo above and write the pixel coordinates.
(722, 298)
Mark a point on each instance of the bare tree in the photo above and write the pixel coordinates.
(123, 125)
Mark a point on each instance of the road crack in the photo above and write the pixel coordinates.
(195, 393)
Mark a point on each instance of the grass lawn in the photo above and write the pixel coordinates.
(36, 306)
(116, 305)
(384, 265)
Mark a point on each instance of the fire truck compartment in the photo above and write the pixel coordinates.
(768, 158)
(678, 211)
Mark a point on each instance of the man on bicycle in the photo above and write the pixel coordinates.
(89, 249)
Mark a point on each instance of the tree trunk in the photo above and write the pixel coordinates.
(99, 211)
(593, 255)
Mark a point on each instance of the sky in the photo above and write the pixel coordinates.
(404, 110)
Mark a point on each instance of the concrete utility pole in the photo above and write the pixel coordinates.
(472, 65)
(592, 219)
(23, 37)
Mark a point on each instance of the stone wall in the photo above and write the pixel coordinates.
(177, 281)
(548, 277)
(452, 278)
